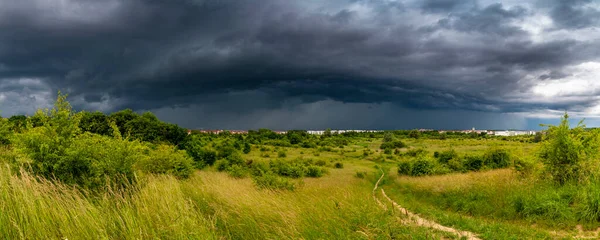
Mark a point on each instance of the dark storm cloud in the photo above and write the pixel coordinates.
(575, 14)
(146, 54)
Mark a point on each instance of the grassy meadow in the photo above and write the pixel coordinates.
(78, 175)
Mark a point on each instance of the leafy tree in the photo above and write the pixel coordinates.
(18, 123)
(95, 122)
(5, 131)
(123, 117)
(567, 152)
(388, 137)
(414, 134)
(538, 137)
(327, 133)
(247, 148)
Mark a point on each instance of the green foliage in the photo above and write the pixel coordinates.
(338, 165)
(273, 182)
(320, 163)
(567, 151)
(422, 167)
(416, 152)
(497, 158)
(473, 162)
(281, 154)
(288, 169)
(388, 137)
(166, 159)
(524, 166)
(247, 148)
(414, 134)
(404, 167)
(361, 175)
(392, 144)
(95, 122)
(314, 171)
(237, 171)
(538, 137)
(456, 164)
(445, 156)
(5, 131)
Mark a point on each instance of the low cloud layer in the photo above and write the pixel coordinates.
(309, 64)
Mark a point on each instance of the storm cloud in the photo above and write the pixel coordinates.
(306, 64)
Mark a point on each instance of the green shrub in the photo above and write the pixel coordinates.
(473, 163)
(524, 167)
(314, 171)
(281, 154)
(166, 159)
(566, 152)
(360, 174)
(287, 169)
(56, 149)
(273, 182)
(497, 158)
(393, 144)
(387, 151)
(422, 167)
(247, 148)
(446, 156)
(404, 167)
(456, 164)
(416, 152)
(260, 168)
(338, 165)
(320, 163)
(237, 171)
(221, 165)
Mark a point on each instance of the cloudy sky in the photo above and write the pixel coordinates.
(311, 64)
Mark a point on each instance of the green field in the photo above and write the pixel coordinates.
(68, 175)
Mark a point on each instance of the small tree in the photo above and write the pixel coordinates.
(388, 137)
(567, 151)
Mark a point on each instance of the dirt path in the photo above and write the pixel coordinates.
(415, 219)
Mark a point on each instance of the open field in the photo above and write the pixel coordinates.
(67, 175)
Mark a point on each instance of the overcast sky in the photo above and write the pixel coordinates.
(281, 64)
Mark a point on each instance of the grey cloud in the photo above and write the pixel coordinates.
(272, 56)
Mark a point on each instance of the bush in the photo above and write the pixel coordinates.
(320, 163)
(281, 154)
(247, 148)
(273, 182)
(387, 151)
(260, 168)
(422, 167)
(416, 152)
(293, 170)
(360, 174)
(566, 151)
(446, 156)
(404, 167)
(524, 167)
(314, 171)
(497, 158)
(456, 164)
(338, 165)
(237, 171)
(221, 165)
(393, 144)
(473, 163)
(166, 159)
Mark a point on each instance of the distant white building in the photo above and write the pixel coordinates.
(508, 133)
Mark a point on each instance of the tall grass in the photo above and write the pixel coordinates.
(209, 205)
